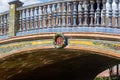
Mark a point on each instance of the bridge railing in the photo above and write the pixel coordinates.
(68, 13)
(49, 15)
(4, 24)
(68, 16)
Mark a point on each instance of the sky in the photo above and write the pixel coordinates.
(4, 3)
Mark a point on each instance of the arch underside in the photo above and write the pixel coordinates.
(55, 64)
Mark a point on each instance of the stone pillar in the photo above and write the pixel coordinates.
(14, 17)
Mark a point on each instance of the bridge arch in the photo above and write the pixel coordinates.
(42, 60)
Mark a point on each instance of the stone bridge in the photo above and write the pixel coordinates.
(29, 36)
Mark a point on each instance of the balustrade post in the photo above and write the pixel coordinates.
(80, 13)
(50, 15)
(74, 14)
(0, 25)
(14, 17)
(104, 14)
(37, 17)
(54, 14)
(32, 18)
(92, 14)
(45, 16)
(24, 20)
(40, 17)
(4, 24)
(98, 14)
(110, 14)
(28, 20)
(69, 14)
(57, 18)
(59, 15)
(86, 14)
(64, 15)
(48, 21)
(7, 22)
(20, 20)
(117, 14)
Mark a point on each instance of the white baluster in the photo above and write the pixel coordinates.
(69, 14)
(110, 14)
(20, 21)
(6, 21)
(40, 17)
(59, 15)
(80, 12)
(25, 27)
(4, 29)
(49, 9)
(27, 19)
(64, 15)
(74, 14)
(54, 14)
(50, 16)
(36, 17)
(33, 15)
(0, 25)
(104, 14)
(86, 14)
(117, 14)
(92, 14)
(98, 14)
(45, 15)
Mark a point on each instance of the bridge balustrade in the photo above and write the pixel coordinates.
(4, 24)
(66, 16)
